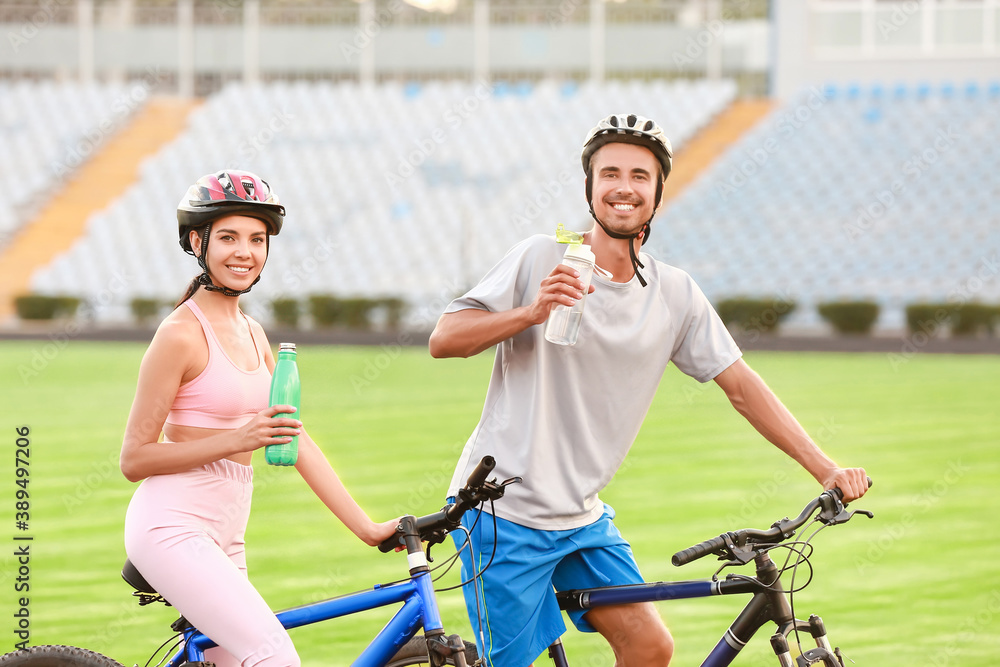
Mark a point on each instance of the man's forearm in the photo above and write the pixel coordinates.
(466, 333)
(753, 399)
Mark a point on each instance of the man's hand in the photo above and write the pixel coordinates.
(853, 482)
(561, 287)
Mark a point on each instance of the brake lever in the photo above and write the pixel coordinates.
(846, 516)
(494, 491)
(834, 512)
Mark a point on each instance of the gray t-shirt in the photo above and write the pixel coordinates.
(563, 418)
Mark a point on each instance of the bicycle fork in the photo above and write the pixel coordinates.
(823, 653)
(770, 604)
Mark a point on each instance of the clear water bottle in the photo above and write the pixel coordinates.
(563, 325)
(285, 390)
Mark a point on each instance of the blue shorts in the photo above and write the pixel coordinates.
(517, 609)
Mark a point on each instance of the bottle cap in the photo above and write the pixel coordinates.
(581, 251)
(564, 235)
(286, 347)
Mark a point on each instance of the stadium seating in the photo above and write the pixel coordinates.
(408, 190)
(886, 193)
(46, 130)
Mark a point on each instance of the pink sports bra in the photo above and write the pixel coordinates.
(223, 396)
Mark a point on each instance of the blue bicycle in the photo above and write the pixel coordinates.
(396, 645)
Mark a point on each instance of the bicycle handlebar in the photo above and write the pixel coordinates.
(832, 513)
(433, 527)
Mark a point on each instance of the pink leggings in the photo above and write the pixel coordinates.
(184, 532)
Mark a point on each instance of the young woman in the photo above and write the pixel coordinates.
(204, 384)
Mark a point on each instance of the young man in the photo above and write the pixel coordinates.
(563, 418)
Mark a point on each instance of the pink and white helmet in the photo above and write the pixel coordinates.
(228, 192)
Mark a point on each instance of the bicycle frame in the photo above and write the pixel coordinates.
(419, 610)
(767, 604)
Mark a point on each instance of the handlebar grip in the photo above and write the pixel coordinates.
(840, 494)
(699, 550)
(449, 517)
(482, 470)
(391, 543)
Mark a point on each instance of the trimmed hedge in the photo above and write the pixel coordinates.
(754, 315)
(355, 313)
(286, 312)
(326, 310)
(928, 317)
(975, 319)
(964, 319)
(850, 317)
(45, 307)
(147, 310)
(393, 308)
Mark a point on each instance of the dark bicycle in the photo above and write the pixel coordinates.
(770, 601)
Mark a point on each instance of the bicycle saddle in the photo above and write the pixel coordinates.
(143, 589)
(134, 578)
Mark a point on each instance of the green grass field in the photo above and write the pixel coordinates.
(917, 585)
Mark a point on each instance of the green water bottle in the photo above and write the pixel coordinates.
(285, 390)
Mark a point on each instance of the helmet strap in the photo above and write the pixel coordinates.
(205, 279)
(644, 230)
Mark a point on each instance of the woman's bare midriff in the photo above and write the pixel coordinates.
(176, 433)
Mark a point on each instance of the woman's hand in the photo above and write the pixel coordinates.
(266, 429)
(380, 532)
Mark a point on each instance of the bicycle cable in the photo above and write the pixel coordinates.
(160, 648)
(475, 575)
(791, 593)
(451, 560)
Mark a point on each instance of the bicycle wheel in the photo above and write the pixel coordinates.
(56, 656)
(414, 652)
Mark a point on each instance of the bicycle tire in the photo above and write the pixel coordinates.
(56, 656)
(414, 652)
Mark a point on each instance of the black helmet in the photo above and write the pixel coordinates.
(228, 192)
(629, 129)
